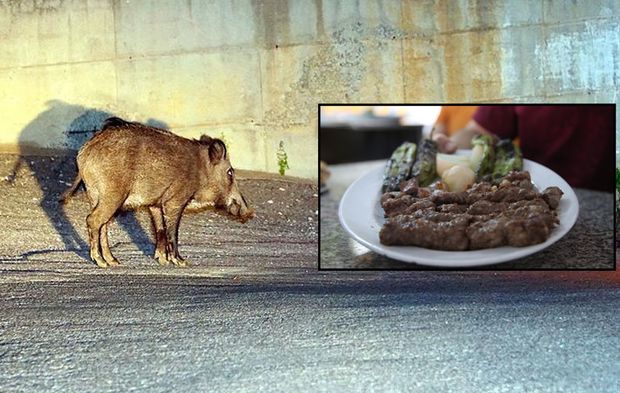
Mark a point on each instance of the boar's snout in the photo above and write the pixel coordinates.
(238, 207)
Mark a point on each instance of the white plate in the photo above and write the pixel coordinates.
(361, 215)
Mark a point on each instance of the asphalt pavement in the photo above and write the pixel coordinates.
(252, 313)
(296, 330)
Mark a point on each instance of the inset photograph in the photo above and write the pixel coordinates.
(517, 187)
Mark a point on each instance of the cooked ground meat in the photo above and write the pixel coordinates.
(393, 202)
(520, 233)
(484, 216)
(444, 235)
(486, 207)
(486, 234)
(552, 196)
(435, 216)
(452, 208)
(419, 205)
(518, 175)
(446, 197)
(512, 194)
(480, 188)
(410, 186)
(424, 192)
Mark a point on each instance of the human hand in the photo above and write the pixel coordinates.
(444, 143)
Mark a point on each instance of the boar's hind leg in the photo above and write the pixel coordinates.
(157, 216)
(96, 220)
(105, 247)
(172, 217)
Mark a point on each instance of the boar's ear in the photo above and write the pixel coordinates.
(206, 139)
(217, 151)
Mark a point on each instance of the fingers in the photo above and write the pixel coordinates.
(444, 143)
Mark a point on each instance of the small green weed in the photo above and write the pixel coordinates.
(282, 159)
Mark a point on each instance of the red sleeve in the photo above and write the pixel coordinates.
(500, 120)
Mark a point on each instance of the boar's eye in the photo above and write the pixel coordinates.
(230, 172)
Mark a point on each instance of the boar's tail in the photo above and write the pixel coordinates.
(113, 122)
(71, 190)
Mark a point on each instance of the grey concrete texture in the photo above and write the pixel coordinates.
(254, 71)
(254, 315)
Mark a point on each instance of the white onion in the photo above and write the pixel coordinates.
(458, 178)
(447, 161)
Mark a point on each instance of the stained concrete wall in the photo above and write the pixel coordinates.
(253, 72)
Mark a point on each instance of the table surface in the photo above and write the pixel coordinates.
(588, 245)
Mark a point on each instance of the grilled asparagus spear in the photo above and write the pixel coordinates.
(508, 158)
(398, 168)
(482, 156)
(425, 166)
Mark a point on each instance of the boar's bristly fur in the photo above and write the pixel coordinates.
(128, 165)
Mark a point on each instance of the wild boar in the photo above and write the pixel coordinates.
(128, 165)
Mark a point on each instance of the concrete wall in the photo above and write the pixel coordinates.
(253, 72)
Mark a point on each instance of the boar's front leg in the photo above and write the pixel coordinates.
(157, 216)
(172, 217)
